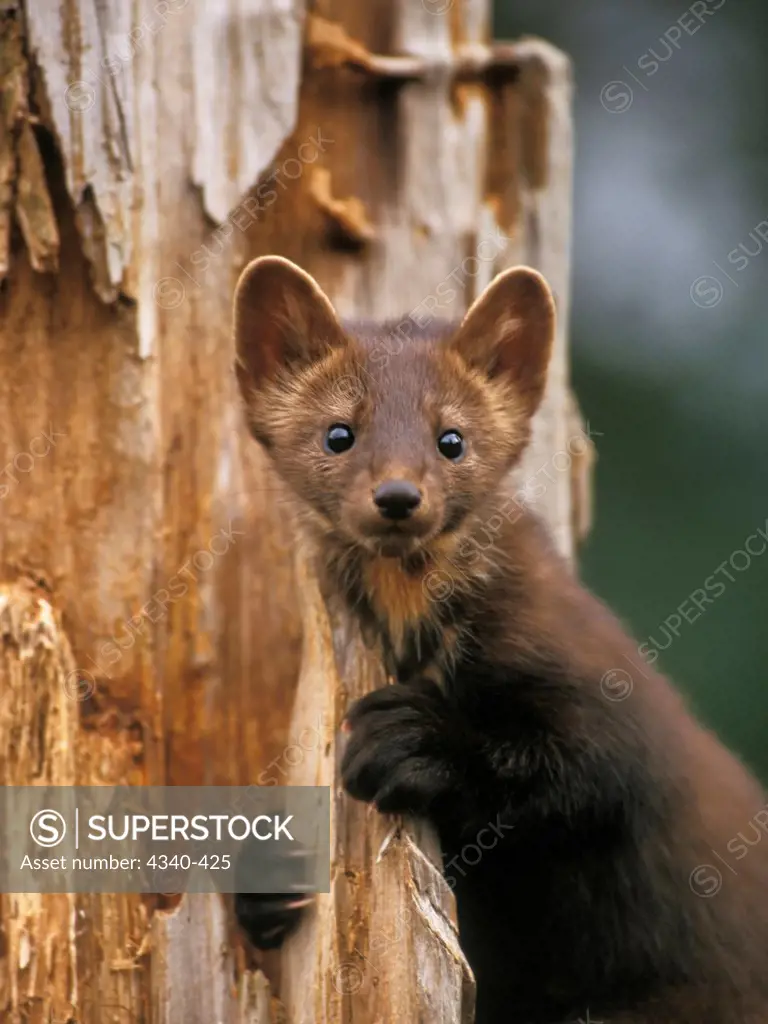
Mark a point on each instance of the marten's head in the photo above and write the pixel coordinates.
(391, 436)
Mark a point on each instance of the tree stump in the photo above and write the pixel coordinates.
(154, 620)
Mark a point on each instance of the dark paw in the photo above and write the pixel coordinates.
(403, 744)
(269, 918)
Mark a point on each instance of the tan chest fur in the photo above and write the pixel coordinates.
(399, 598)
(404, 604)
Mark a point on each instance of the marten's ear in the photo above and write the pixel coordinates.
(509, 330)
(282, 320)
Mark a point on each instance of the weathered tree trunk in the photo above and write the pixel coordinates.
(151, 616)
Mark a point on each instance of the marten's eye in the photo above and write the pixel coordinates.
(451, 444)
(339, 438)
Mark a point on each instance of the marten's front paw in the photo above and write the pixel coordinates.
(269, 918)
(401, 747)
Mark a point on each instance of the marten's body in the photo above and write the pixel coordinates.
(587, 822)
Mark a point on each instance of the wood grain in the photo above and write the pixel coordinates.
(149, 555)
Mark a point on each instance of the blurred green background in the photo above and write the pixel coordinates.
(670, 354)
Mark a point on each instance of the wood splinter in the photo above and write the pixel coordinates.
(330, 46)
(349, 215)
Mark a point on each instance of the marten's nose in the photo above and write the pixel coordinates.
(396, 499)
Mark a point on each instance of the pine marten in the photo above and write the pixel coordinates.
(610, 892)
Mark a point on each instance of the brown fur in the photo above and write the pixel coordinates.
(399, 599)
(591, 906)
